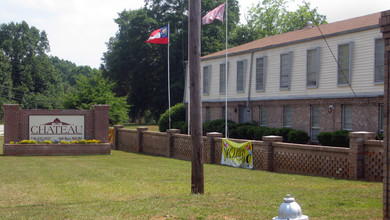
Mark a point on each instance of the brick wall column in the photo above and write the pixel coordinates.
(171, 141)
(139, 138)
(268, 156)
(116, 136)
(384, 23)
(211, 141)
(11, 123)
(101, 122)
(356, 153)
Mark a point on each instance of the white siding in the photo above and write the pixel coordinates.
(362, 71)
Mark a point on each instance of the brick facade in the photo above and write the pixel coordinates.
(366, 112)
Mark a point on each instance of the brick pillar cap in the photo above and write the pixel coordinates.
(11, 105)
(214, 134)
(273, 138)
(361, 133)
(142, 128)
(101, 106)
(177, 131)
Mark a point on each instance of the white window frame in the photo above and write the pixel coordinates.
(206, 79)
(263, 115)
(287, 116)
(347, 120)
(313, 70)
(222, 78)
(285, 70)
(241, 88)
(342, 69)
(379, 62)
(381, 117)
(208, 114)
(315, 111)
(261, 74)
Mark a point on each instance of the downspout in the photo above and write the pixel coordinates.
(249, 88)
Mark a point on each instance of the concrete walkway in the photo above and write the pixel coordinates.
(1, 130)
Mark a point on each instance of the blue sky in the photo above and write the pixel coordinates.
(78, 29)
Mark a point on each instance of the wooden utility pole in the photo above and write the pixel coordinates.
(384, 23)
(197, 180)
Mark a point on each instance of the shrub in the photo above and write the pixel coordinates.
(259, 132)
(218, 125)
(245, 131)
(379, 135)
(298, 137)
(270, 131)
(340, 138)
(325, 138)
(284, 133)
(182, 126)
(178, 113)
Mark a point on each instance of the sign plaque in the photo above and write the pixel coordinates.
(56, 127)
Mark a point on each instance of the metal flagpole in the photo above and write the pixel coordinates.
(169, 84)
(226, 73)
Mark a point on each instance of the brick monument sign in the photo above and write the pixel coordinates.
(56, 126)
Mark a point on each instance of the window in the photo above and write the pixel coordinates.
(241, 69)
(206, 79)
(379, 61)
(345, 57)
(208, 114)
(243, 114)
(287, 116)
(315, 122)
(263, 116)
(222, 78)
(312, 67)
(285, 70)
(260, 73)
(223, 112)
(381, 116)
(347, 117)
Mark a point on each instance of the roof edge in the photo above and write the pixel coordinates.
(295, 42)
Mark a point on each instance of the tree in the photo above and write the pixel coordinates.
(140, 69)
(271, 17)
(35, 84)
(214, 35)
(94, 89)
(5, 81)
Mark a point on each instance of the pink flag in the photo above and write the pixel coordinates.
(216, 13)
(159, 36)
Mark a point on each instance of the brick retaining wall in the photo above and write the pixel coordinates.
(362, 161)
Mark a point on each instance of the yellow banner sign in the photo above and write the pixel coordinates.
(237, 154)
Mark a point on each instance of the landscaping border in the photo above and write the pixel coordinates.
(56, 149)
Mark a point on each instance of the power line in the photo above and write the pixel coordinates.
(339, 66)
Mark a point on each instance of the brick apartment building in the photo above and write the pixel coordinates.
(293, 79)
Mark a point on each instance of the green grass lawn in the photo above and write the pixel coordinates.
(134, 186)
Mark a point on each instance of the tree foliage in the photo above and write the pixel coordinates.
(140, 70)
(93, 89)
(29, 76)
(271, 17)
